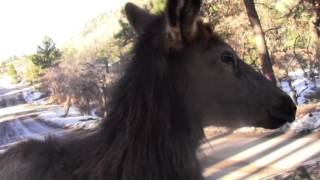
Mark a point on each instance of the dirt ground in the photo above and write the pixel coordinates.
(259, 155)
(308, 171)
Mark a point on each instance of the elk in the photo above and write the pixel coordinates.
(182, 78)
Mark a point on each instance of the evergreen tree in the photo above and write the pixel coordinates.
(47, 53)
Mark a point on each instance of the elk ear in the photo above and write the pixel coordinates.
(182, 16)
(137, 17)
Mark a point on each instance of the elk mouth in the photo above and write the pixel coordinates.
(277, 118)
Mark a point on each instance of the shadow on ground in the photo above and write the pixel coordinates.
(254, 156)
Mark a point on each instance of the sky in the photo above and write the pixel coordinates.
(24, 23)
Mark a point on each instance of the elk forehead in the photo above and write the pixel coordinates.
(206, 35)
(202, 33)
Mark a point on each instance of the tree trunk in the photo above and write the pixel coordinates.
(67, 106)
(88, 106)
(314, 25)
(104, 101)
(260, 41)
(105, 90)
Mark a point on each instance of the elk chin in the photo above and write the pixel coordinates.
(275, 119)
(231, 123)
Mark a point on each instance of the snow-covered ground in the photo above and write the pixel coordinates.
(74, 120)
(6, 82)
(308, 122)
(302, 85)
(31, 96)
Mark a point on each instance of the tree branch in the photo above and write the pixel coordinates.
(272, 29)
(263, 4)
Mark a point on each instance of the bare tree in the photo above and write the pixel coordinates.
(102, 80)
(73, 86)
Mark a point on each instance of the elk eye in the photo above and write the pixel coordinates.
(227, 58)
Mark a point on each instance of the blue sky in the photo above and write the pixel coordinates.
(23, 23)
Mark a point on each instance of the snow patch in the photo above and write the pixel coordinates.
(74, 119)
(303, 87)
(25, 133)
(308, 122)
(31, 96)
(94, 112)
(6, 82)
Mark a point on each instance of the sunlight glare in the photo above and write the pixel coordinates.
(25, 23)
